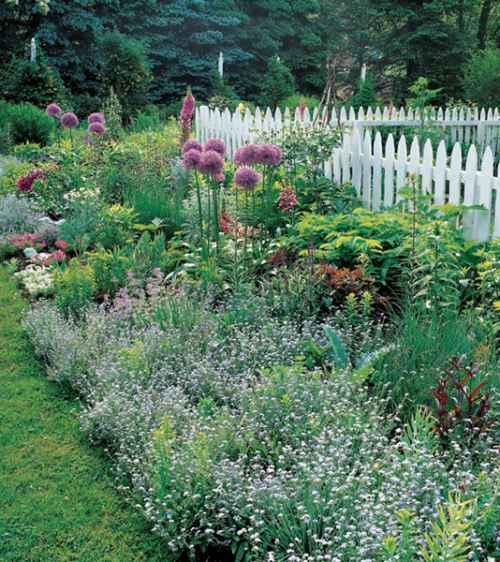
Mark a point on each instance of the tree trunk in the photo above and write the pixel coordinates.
(483, 22)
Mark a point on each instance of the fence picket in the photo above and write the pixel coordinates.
(482, 224)
(366, 163)
(471, 196)
(440, 175)
(389, 162)
(377, 172)
(427, 168)
(401, 162)
(454, 175)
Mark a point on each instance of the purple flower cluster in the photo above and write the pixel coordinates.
(207, 159)
(97, 128)
(69, 120)
(97, 118)
(247, 178)
(255, 154)
(210, 163)
(53, 110)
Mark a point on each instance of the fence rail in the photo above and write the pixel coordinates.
(469, 126)
(379, 172)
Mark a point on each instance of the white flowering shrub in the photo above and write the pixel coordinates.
(38, 281)
(229, 443)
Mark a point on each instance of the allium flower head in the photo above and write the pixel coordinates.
(211, 162)
(191, 145)
(53, 110)
(269, 155)
(287, 200)
(96, 118)
(247, 178)
(217, 145)
(97, 128)
(191, 159)
(246, 155)
(69, 120)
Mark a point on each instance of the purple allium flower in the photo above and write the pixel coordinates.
(191, 145)
(191, 159)
(211, 162)
(246, 155)
(53, 110)
(97, 128)
(287, 200)
(96, 118)
(69, 120)
(247, 178)
(217, 145)
(269, 155)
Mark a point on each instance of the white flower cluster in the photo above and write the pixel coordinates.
(38, 281)
(228, 442)
(81, 194)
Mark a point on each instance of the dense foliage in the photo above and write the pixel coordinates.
(183, 39)
(277, 372)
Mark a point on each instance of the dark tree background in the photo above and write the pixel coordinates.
(399, 40)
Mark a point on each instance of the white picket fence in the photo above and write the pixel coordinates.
(379, 173)
(470, 126)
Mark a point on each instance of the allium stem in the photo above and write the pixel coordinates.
(200, 210)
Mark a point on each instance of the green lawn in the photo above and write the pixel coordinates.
(57, 501)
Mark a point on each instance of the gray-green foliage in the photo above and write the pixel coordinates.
(18, 214)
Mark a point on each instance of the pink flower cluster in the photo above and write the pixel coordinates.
(229, 225)
(25, 183)
(287, 200)
(207, 159)
(258, 154)
(45, 259)
(26, 240)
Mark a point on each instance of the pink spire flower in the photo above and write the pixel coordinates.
(287, 200)
(186, 116)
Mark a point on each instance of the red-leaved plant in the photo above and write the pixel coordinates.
(461, 405)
